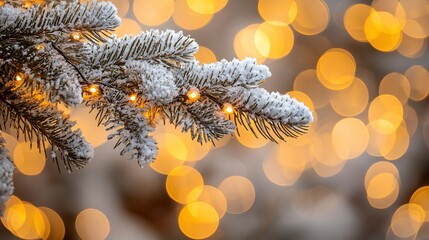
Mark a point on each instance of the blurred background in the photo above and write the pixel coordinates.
(361, 171)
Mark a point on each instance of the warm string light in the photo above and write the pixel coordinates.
(19, 77)
(40, 46)
(75, 36)
(193, 95)
(27, 4)
(93, 89)
(133, 97)
(228, 108)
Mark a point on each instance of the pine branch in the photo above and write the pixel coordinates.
(129, 123)
(223, 73)
(40, 121)
(203, 120)
(166, 46)
(6, 175)
(270, 113)
(49, 68)
(94, 20)
(153, 81)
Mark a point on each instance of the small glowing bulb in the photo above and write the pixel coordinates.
(40, 46)
(93, 89)
(228, 108)
(75, 36)
(193, 95)
(133, 97)
(27, 4)
(19, 77)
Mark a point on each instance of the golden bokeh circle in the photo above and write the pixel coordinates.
(92, 224)
(198, 220)
(29, 161)
(210, 195)
(383, 31)
(281, 40)
(336, 69)
(205, 55)
(57, 228)
(352, 100)
(281, 11)
(307, 82)
(188, 19)
(181, 181)
(239, 193)
(400, 147)
(153, 12)
(248, 42)
(312, 17)
(421, 198)
(407, 220)
(417, 75)
(385, 113)
(395, 84)
(354, 21)
(207, 6)
(350, 138)
(380, 142)
(128, 27)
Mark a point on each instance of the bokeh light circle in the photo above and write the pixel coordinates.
(198, 220)
(207, 6)
(188, 19)
(239, 193)
(417, 75)
(280, 11)
(350, 138)
(383, 31)
(181, 181)
(352, 100)
(354, 21)
(249, 42)
(312, 16)
(385, 113)
(205, 55)
(336, 69)
(280, 37)
(210, 195)
(92, 224)
(29, 161)
(153, 12)
(421, 198)
(397, 85)
(407, 220)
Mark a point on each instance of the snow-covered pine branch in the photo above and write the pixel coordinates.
(92, 19)
(204, 120)
(44, 68)
(132, 82)
(38, 121)
(223, 73)
(127, 120)
(150, 45)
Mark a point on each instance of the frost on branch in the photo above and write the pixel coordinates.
(133, 83)
(223, 73)
(131, 128)
(6, 175)
(164, 46)
(203, 120)
(272, 113)
(153, 81)
(57, 18)
(39, 121)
